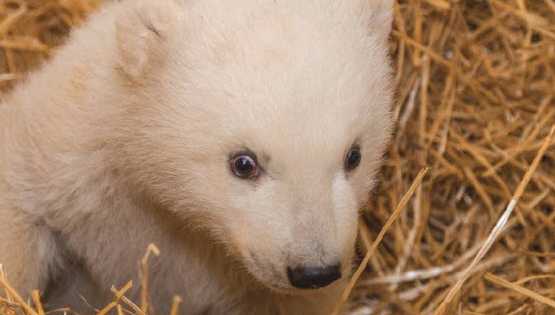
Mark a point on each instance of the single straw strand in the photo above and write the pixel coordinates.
(520, 289)
(175, 305)
(151, 250)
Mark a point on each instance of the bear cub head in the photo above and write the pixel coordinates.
(261, 123)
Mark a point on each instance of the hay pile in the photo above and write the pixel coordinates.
(476, 86)
(476, 83)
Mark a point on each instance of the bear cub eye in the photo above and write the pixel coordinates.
(244, 165)
(352, 160)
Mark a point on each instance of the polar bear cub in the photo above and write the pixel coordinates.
(241, 137)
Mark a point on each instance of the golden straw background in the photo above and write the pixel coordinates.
(475, 103)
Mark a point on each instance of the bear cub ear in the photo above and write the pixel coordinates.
(143, 31)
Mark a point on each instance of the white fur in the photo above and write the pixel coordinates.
(123, 139)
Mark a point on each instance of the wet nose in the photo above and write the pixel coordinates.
(313, 277)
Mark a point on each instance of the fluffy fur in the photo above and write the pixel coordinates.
(124, 139)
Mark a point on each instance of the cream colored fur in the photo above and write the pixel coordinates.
(123, 139)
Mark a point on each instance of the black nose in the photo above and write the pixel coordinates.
(313, 277)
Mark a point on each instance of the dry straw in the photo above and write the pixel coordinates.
(475, 103)
(371, 249)
(499, 227)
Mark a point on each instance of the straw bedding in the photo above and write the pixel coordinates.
(476, 83)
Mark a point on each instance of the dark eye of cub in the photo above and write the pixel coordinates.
(244, 165)
(353, 158)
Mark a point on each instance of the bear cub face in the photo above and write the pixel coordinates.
(262, 123)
